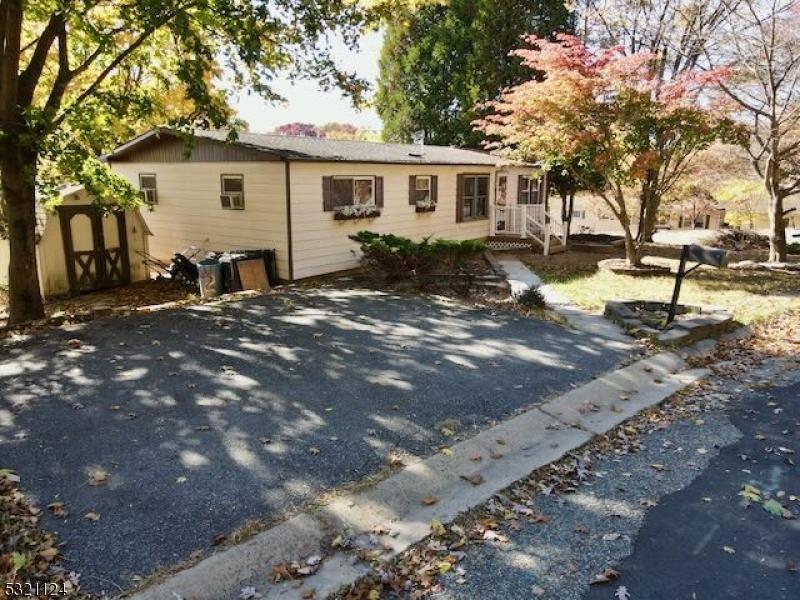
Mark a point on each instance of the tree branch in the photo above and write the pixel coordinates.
(30, 76)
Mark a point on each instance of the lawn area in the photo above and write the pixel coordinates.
(751, 295)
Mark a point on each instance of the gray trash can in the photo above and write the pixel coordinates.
(209, 272)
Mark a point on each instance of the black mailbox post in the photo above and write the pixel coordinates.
(702, 255)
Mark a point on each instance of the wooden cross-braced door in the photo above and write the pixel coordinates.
(95, 248)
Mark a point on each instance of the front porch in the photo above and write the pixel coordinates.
(526, 225)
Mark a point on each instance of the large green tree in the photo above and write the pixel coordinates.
(442, 60)
(71, 70)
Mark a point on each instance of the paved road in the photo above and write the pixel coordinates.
(207, 417)
(702, 543)
(698, 541)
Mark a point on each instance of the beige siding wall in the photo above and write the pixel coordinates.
(321, 245)
(189, 211)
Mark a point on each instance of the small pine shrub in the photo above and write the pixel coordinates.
(532, 298)
(398, 258)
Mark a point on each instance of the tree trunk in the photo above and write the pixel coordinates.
(777, 228)
(18, 169)
(570, 210)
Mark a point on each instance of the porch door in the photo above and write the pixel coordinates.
(95, 248)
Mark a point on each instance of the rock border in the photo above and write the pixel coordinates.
(710, 321)
(619, 267)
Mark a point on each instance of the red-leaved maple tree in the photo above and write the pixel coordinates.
(608, 119)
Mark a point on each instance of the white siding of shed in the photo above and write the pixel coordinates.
(189, 211)
(320, 244)
(53, 277)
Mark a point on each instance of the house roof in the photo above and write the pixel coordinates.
(324, 150)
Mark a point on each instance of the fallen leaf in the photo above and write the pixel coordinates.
(475, 479)
(750, 493)
(437, 528)
(58, 509)
(98, 477)
(308, 594)
(281, 572)
(429, 500)
(181, 479)
(729, 550)
(447, 431)
(249, 593)
(218, 539)
(92, 516)
(447, 451)
(610, 537)
(313, 451)
(774, 507)
(501, 441)
(622, 593)
(49, 554)
(374, 595)
(659, 467)
(607, 576)
(495, 455)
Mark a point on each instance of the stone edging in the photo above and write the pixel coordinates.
(709, 321)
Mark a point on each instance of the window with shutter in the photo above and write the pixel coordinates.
(352, 196)
(473, 197)
(422, 192)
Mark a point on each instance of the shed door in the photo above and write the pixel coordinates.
(95, 248)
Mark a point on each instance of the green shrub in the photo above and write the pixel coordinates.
(532, 298)
(398, 258)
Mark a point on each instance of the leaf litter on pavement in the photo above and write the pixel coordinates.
(417, 572)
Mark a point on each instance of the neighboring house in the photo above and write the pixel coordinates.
(303, 196)
(688, 216)
(590, 214)
(79, 250)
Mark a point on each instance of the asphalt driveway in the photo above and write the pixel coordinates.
(195, 421)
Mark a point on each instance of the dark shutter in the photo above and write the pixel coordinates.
(521, 189)
(379, 192)
(342, 192)
(460, 199)
(412, 190)
(327, 194)
(434, 189)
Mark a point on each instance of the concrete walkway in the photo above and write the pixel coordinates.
(527, 442)
(521, 279)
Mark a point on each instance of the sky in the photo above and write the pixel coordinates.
(308, 104)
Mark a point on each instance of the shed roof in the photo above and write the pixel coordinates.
(325, 150)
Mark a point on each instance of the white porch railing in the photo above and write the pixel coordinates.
(527, 221)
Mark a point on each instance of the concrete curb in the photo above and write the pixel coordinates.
(526, 443)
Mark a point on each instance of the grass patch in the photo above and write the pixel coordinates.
(750, 295)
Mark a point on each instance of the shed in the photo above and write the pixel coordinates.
(80, 250)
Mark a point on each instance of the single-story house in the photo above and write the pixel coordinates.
(303, 196)
(80, 250)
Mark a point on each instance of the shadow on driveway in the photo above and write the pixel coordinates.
(207, 417)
